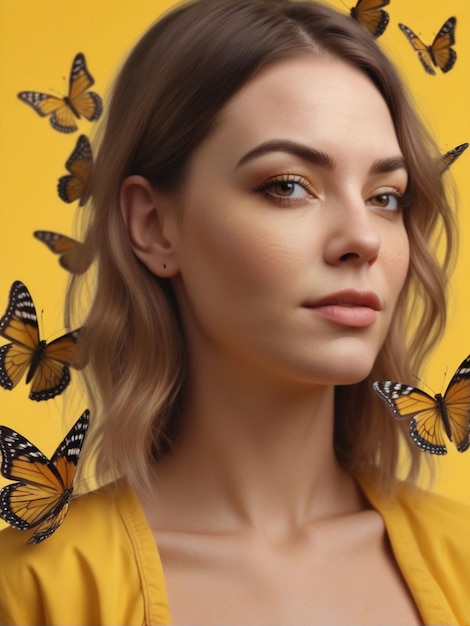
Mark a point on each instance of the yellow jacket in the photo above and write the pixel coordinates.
(102, 565)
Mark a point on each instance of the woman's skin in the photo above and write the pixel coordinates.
(287, 253)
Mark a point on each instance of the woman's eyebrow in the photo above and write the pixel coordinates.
(382, 166)
(317, 157)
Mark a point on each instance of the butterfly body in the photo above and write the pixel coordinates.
(46, 365)
(36, 358)
(442, 408)
(78, 103)
(433, 417)
(69, 102)
(40, 498)
(440, 53)
(371, 16)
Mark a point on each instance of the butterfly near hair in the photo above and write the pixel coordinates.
(371, 16)
(78, 103)
(73, 255)
(46, 365)
(41, 496)
(449, 157)
(433, 417)
(440, 53)
(74, 186)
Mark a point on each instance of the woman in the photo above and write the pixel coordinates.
(264, 206)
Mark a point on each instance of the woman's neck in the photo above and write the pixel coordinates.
(251, 454)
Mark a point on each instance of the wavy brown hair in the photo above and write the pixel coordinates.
(165, 101)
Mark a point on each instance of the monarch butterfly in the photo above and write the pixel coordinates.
(40, 499)
(370, 15)
(46, 364)
(73, 186)
(79, 101)
(439, 53)
(74, 256)
(449, 157)
(431, 417)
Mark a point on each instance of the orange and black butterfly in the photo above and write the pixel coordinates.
(433, 417)
(371, 16)
(440, 53)
(73, 255)
(79, 102)
(449, 157)
(46, 365)
(74, 186)
(41, 496)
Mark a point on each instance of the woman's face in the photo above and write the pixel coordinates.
(290, 242)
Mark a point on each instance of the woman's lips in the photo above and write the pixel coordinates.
(349, 308)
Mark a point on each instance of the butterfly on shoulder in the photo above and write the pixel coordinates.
(73, 255)
(371, 16)
(46, 365)
(74, 186)
(440, 53)
(433, 417)
(449, 157)
(41, 496)
(78, 103)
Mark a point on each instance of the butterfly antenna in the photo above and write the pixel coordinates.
(42, 323)
(424, 384)
(445, 377)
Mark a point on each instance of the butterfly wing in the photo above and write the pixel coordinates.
(370, 15)
(73, 255)
(443, 55)
(20, 326)
(61, 116)
(14, 362)
(83, 102)
(424, 52)
(52, 374)
(457, 399)
(449, 157)
(52, 522)
(41, 497)
(426, 425)
(74, 185)
(67, 455)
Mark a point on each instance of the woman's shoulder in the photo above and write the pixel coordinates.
(428, 534)
(429, 510)
(90, 556)
(433, 519)
(421, 509)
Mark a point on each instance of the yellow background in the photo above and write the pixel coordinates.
(38, 41)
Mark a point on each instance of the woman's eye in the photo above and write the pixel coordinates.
(389, 201)
(285, 189)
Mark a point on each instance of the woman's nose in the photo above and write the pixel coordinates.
(353, 235)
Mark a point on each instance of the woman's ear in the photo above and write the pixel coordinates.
(151, 220)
